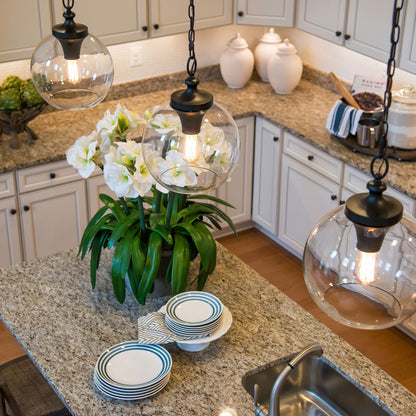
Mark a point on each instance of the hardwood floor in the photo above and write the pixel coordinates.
(390, 349)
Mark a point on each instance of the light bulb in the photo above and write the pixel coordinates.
(190, 148)
(73, 71)
(365, 269)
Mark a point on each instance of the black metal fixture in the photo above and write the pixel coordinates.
(360, 259)
(71, 69)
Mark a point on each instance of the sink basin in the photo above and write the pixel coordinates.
(315, 387)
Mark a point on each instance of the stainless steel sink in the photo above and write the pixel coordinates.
(315, 387)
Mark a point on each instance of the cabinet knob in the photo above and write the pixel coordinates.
(333, 197)
(275, 139)
(156, 26)
(52, 175)
(13, 211)
(144, 28)
(341, 202)
(310, 157)
(346, 37)
(338, 33)
(240, 13)
(26, 208)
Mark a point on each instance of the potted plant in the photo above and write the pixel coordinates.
(146, 220)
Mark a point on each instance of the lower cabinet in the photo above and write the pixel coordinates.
(10, 247)
(53, 219)
(306, 196)
(267, 153)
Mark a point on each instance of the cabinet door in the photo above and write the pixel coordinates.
(306, 196)
(168, 17)
(111, 21)
(10, 247)
(238, 190)
(369, 26)
(323, 18)
(53, 219)
(265, 12)
(23, 24)
(408, 50)
(95, 186)
(267, 152)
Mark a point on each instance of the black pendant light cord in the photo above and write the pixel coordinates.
(191, 64)
(391, 67)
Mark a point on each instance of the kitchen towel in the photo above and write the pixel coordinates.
(152, 330)
(343, 119)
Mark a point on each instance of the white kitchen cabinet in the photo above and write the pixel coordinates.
(95, 186)
(408, 50)
(23, 24)
(168, 17)
(53, 219)
(238, 189)
(265, 12)
(10, 245)
(361, 25)
(267, 153)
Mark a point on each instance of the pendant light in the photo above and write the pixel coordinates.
(71, 68)
(359, 261)
(193, 139)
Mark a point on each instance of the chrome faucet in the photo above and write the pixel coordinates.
(311, 350)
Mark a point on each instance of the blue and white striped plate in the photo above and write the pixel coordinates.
(193, 309)
(133, 366)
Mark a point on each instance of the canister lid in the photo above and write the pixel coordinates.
(238, 42)
(271, 37)
(286, 48)
(406, 95)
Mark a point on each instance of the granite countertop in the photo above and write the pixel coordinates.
(303, 113)
(64, 326)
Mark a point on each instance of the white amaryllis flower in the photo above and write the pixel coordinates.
(152, 165)
(210, 135)
(82, 154)
(131, 149)
(166, 123)
(175, 171)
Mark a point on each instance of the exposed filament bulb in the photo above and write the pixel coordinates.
(191, 148)
(73, 71)
(365, 269)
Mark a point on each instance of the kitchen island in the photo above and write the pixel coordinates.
(64, 326)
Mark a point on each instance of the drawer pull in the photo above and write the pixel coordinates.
(341, 202)
(156, 26)
(13, 211)
(338, 33)
(275, 139)
(310, 157)
(240, 13)
(144, 28)
(346, 37)
(26, 208)
(333, 197)
(52, 175)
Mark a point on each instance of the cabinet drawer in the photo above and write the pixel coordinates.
(44, 176)
(312, 157)
(356, 182)
(7, 187)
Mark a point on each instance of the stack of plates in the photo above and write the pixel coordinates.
(193, 314)
(132, 371)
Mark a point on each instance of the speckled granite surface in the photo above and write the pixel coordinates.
(64, 325)
(303, 113)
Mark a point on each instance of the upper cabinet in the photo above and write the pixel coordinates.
(408, 51)
(360, 25)
(265, 12)
(17, 41)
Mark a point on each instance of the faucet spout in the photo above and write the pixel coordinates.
(311, 350)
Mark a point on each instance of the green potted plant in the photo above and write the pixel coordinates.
(146, 220)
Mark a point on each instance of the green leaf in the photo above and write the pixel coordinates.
(164, 233)
(96, 247)
(202, 278)
(124, 226)
(137, 256)
(211, 245)
(156, 218)
(222, 215)
(180, 264)
(113, 206)
(212, 198)
(151, 267)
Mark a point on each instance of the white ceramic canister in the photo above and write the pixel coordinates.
(236, 62)
(285, 68)
(402, 119)
(264, 50)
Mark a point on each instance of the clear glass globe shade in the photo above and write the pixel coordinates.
(71, 84)
(357, 289)
(190, 163)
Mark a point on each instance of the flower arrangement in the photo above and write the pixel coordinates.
(146, 219)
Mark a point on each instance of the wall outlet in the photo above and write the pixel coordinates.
(135, 56)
